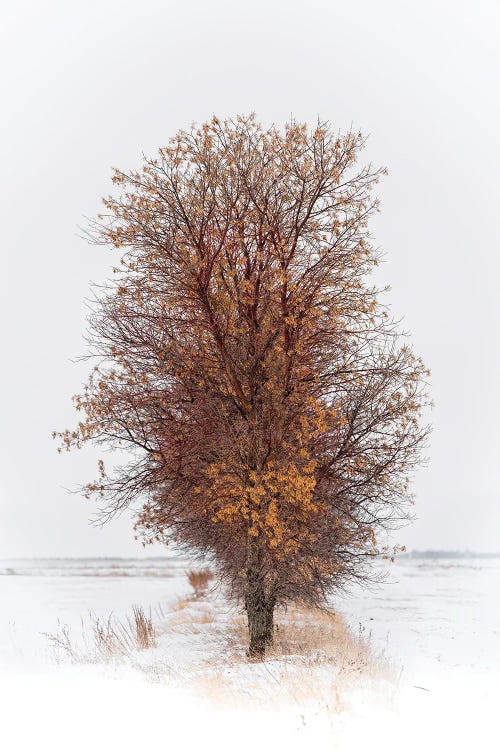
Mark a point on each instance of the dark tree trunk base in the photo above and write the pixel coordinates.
(260, 611)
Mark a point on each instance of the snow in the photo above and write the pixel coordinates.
(36, 594)
(442, 617)
(439, 620)
(436, 621)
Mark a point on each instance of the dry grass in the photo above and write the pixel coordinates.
(199, 580)
(144, 629)
(314, 657)
(104, 639)
(190, 619)
(322, 636)
(181, 604)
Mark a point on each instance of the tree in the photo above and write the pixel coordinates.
(269, 406)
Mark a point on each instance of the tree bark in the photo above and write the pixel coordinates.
(260, 610)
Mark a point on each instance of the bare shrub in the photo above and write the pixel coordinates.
(104, 639)
(199, 580)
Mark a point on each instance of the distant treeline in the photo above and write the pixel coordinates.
(448, 554)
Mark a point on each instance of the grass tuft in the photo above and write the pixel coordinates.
(103, 639)
(199, 580)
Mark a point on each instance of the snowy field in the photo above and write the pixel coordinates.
(436, 622)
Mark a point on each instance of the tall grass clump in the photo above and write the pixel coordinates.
(103, 639)
(199, 580)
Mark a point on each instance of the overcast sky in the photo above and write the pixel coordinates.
(90, 85)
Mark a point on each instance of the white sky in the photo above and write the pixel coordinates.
(90, 85)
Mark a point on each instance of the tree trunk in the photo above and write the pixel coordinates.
(260, 609)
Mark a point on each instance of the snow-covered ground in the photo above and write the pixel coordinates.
(436, 621)
(439, 621)
(36, 594)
